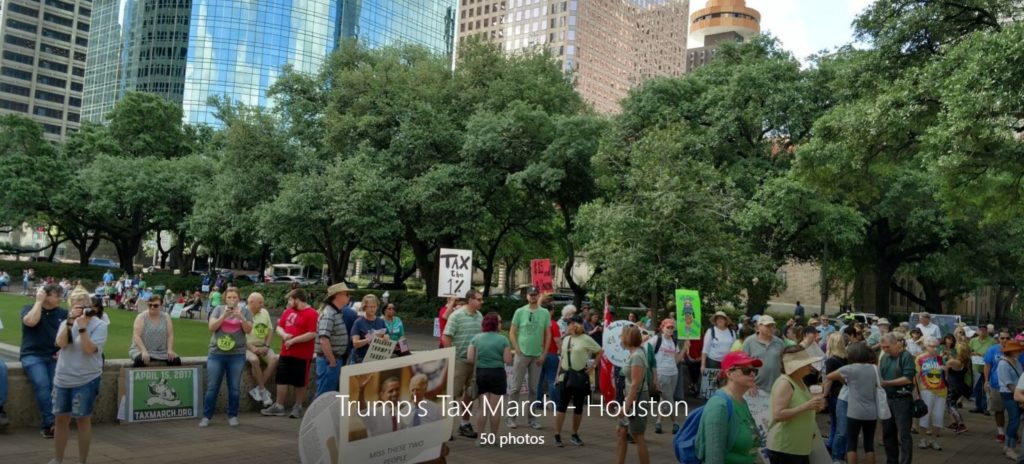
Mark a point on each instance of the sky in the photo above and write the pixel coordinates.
(805, 26)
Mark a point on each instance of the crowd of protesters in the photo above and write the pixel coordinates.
(909, 379)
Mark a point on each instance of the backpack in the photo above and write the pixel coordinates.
(715, 337)
(685, 441)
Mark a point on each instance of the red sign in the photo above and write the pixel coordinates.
(540, 276)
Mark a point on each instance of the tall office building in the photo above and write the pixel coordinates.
(189, 50)
(720, 21)
(608, 46)
(42, 66)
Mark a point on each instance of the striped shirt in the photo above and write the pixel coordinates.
(332, 326)
(462, 327)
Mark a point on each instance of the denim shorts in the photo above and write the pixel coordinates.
(77, 401)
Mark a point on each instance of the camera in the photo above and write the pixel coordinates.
(90, 312)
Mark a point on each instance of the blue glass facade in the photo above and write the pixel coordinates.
(377, 23)
(238, 48)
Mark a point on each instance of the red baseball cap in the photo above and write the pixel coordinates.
(738, 358)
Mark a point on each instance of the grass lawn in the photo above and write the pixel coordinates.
(191, 338)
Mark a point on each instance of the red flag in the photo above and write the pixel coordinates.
(606, 367)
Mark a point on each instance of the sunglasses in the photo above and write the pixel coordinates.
(1004, 338)
(745, 370)
(154, 305)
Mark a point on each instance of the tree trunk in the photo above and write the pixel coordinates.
(932, 294)
(127, 248)
(757, 297)
(262, 266)
(86, 246)
(578, 292)
(425, 261)
(884, 272)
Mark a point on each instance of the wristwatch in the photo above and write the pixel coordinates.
(81, 330)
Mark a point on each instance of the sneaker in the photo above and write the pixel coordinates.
(466, 430)
(953, 426)
(657, 427)
(204, 422)
(510, 423)
(576, 440)
(296, 412)
(233, 421)
(1012, 454)
(924, 444)
(265, 398)
(1001, 438)
(962, 428)
(675, 429)
(256, 394)
(936, 446)
(534, 424)
(274, 410)
(4, 421)
(46, 432)
(558, 441)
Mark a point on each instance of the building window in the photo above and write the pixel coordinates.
(49, 96)
(52, 34)
(18, 57)
(48, 112)
(24, 10)
(61, 5)
(14, 89)
(52, 81)
(61, 68)
(16, 73)
(57, 19)
(21, 42)
(13, 106)
(51, 129)
(21, 26)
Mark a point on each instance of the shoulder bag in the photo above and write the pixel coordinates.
(881, 402)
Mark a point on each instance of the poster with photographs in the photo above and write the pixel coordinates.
(395, 410)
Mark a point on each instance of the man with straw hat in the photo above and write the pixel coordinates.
(332, 339)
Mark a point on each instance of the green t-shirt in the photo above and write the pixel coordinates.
(261, 326)
(583, 346)
(717, 428)
(396, 330)
(636, 358)
(979, 347)
(215, 299)
(531, 326)
(490, 349)
(462, 326)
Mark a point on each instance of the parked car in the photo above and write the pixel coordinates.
(103, 262)
(387, 286)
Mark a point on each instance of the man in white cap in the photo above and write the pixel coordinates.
(875, 339)
(768, 348)
(927, 328)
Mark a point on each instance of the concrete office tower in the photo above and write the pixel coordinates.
(720, 21)
(42, 66)
(189, 50)
(608, 46)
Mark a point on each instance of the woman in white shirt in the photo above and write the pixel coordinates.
(717, 342)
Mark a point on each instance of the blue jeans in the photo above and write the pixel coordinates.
(217, 365)
(837, 429)
(1012, 419)
(980, 398)
(546, 383)
(39, 370)
(3, 384)
(326, 376)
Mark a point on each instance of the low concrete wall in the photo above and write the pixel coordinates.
(23, 412)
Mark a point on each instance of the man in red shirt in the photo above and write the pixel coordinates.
(297, 329)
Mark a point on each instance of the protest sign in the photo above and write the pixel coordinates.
(540, 276)
(760, 410)
(177, 310)
(437, 327)
(380, 349)
(688, 303)
(455, 272)
(709, 382)
(395, 410)
(318, 433)
(612, 343)
(161, 393)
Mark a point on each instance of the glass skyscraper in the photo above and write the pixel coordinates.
(189, 50)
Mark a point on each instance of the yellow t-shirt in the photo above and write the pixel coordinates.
(261, 326)
(736, 346)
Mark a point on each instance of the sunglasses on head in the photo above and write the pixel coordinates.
(745, 370)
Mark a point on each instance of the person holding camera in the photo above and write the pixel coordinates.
(574, 377)
(229, 324)
(77, 375)
(40, 323)
(153, 336)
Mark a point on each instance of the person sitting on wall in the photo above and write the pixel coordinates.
(153, 336)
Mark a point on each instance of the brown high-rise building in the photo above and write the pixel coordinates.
(608, 46)
(720, 21)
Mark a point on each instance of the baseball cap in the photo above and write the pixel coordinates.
(766, 320)
(532, 291)
(738, 358)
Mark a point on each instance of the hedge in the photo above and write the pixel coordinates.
(410, 304)
(91, 276)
